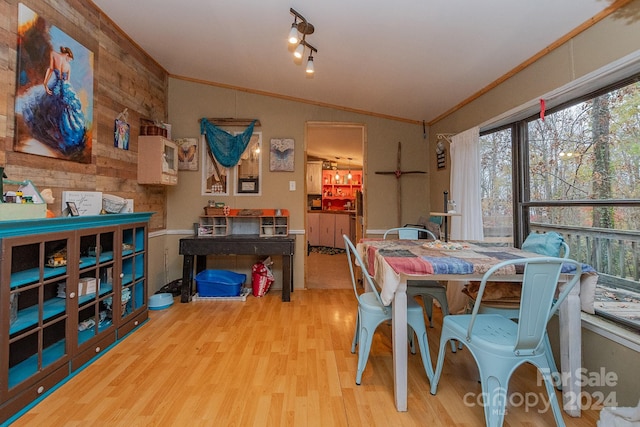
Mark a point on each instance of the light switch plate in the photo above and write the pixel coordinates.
(292, 186)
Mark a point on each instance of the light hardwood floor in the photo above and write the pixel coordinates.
(267, 363)
(327, 271)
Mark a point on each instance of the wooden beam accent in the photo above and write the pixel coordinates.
(232, 122)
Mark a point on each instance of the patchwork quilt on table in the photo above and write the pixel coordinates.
(411, 257)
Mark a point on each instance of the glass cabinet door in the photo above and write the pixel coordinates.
(95, 292)
(37, 274)
(133, 293)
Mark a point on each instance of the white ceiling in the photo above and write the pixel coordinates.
(406, 59)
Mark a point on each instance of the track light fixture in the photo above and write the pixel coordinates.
(305, 28)
(299, 49)
(310, 69)
(293, 34)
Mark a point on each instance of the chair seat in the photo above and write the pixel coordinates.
(494, 331)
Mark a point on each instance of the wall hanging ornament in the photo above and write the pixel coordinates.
(226, 148)
(122, 130)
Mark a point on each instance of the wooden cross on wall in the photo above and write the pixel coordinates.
(398, 174)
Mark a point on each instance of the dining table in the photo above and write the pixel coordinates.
(394, 262)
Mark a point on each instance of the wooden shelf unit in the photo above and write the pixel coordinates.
(157, 161)
(266, 224)
(336, 193)
(50, 326)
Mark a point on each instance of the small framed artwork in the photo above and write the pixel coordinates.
(248, 185)
(187, 154)
(121, 134)
(281, 155)
(73, 209)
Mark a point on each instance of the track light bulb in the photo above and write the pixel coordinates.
(299, 51)
(293, 34)
(310, 69)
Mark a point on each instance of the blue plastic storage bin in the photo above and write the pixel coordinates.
(219, 283)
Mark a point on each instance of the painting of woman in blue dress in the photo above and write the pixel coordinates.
(53, 106)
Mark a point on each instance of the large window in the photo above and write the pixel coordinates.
(577, 172)
(496, 186)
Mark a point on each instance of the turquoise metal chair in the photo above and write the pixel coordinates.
(428, 290)
(512, 310)
(499, 345)
(372, 312)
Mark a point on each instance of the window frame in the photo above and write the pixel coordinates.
(522, 203)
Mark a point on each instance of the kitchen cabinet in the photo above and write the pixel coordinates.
(342, 226)
(314, 177)
(313, 229)
(331, 227)
(71, 287)
(157, 161)
(327, 229)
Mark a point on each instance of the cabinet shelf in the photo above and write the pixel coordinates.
(87, 334)
(29, 316)
(87, 261)
(104, 290)
(32, 275)
(28, 367)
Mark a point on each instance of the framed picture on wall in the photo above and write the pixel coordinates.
(54, 91)
(281, 155)
(187, 153)
(248, 185)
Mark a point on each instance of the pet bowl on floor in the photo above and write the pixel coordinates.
(160, 301)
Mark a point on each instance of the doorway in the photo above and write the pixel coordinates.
(335, 162)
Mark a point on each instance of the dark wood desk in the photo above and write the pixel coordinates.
(238, 244)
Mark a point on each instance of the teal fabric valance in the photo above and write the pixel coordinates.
(226, 148)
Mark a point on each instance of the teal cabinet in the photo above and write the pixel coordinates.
(70, 288)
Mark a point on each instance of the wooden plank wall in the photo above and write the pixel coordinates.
(124, 77)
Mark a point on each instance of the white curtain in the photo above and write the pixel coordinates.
(465, 185)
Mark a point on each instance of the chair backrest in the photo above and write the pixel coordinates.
(355, 260)
(409, 233)
(538, 301)
(566, 251)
